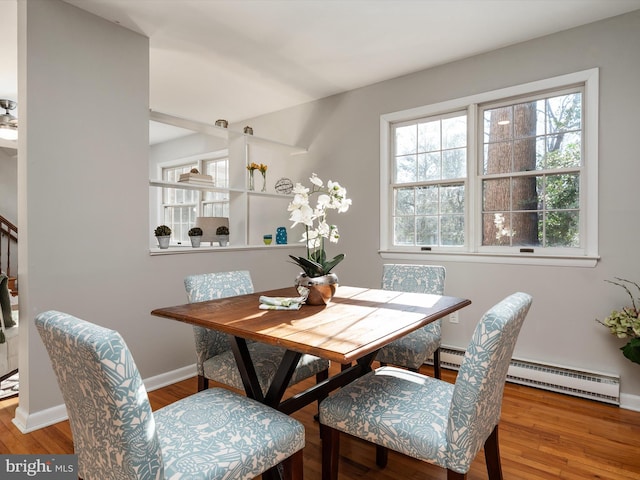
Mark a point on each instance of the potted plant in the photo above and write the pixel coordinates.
(222, 233)
(625, 323)
(195, 235)
(163, 234)
(316, 279)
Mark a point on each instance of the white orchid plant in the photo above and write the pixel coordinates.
(330, 197)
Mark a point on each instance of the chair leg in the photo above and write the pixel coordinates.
(492, 455)
(292, 467)
(330, 450)
(321, 377)
(203, 383)
(436, 363)
(451, 475)
(382, 456)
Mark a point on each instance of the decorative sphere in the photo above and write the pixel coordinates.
(284, 186)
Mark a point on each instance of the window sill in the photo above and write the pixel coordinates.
(495, 258)
(188, 249)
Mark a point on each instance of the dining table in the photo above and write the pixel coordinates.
(349, 330)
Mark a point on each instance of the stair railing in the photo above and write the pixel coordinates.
(8, 237)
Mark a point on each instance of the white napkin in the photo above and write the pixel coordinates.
(281, 303)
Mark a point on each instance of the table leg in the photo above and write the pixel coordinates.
(322, 389)
(282, 378)
(247, 370)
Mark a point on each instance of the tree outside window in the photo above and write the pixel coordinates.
(531, 167)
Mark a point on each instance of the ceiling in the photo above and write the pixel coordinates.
(236, 59)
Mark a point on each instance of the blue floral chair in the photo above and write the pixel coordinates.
(215, 359)
(427, 418)
(412, 350)
(215, 434)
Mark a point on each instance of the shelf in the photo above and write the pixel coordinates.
(293, 149)
(188, 249)
(269, 194)
(187, 124)
(251, 212)
(220, 132)
(199, 186)
(192, 186)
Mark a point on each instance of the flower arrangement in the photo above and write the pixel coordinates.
(262, 168)
(195, 232)
(330, 197)
(625, 323)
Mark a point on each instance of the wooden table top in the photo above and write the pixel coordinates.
(357, 321)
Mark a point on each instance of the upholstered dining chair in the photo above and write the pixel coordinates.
(213, 434)
(412, 350)
(426, 418)
(215, 359)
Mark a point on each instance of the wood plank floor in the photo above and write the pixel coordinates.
(543, 436)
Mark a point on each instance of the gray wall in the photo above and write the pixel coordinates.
(87, 176)
(84, 200)
(343, 132)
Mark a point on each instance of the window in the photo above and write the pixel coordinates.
(531, 168)
(430, 168)
(506, 173)
(180, 207)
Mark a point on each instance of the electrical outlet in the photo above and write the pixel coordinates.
(453, 317)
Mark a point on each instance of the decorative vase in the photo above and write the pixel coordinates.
(163, 241)
(318, 290)
(264, 182)
(251, 181)
(195, 240)
(281, 236)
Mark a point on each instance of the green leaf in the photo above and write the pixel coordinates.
(328, 266)
(319, 256)
(311, 268)
(632, 350)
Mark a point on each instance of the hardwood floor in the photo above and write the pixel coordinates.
(543, 435)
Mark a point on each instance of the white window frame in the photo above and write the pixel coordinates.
(472, 251)
(199, 161)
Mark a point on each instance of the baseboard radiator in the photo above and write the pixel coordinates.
(591, 385)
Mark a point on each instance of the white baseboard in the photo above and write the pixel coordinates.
(630, 402)
(27, 422)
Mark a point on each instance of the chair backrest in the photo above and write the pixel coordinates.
(477, 395)
(109, 412)
(210, 286)
(414, 278)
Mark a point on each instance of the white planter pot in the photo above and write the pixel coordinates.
(163, 242)
(195, 240)
(223, 240)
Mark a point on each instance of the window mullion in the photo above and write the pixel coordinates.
(473, 200)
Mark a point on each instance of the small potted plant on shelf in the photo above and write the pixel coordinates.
(163, 234)
(223, 235)
(195, 235)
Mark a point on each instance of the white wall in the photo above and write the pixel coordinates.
(83, 200)
(343, 134)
